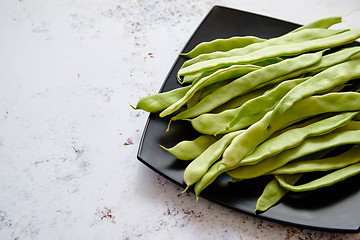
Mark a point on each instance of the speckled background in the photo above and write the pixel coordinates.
(69, 71)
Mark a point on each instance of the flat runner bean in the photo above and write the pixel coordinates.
(325, 181)
(248, 82)
(198, 167)
(189, 150)
(290, 49)
(273, 193)
(294, 137)
(255, 134)
(265, 102)
(309, 146)
(231, 72)
(222, 45)
(160, 101)
(321, 23)
(240, 100)
(329, 78)
(245, 115)
(344, 159)
(326, 61)
(301, 36)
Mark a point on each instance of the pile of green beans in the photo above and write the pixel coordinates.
(269, 107)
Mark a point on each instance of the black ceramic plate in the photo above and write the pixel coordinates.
(333, 209)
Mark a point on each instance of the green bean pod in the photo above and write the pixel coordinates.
(245, 115)
(324, 63)
(222, 45)
(203, 92)
(248, 82)
(290, 49)
(191, 149)
(344, 159)
(240, 100)
(303, 109)
(220, 75)
(294, 137)
(157, 102)
(321, 23)
(309, 146)
(189, 78)
(325, 181)
(298, 37)
(198, 167)
(265, 102)
(329, 78)
(273, 193)
(255, 134)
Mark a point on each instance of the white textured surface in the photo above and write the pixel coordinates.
(68, 138)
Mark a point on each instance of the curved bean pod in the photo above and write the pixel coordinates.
(290, 49)
(222, 45)
(325, 181)
(255, 134)
(321, 23)
(309, 146)
(245, 115)
(240, 100)
(248, 82)
(326, 164)
(214, 124)
(220, 75)
(329, 78)
(189, 78)
(294, 137)
(157, 102)
(301, 36)
(301, 110)
(325, 62)
(189, 150)
(198, 167)
(352, 125)
(265, 102)
(273, 193)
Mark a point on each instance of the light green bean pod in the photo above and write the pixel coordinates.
(198, 167)
(255, 134)
(203, 92)
(191, 149)
(321, 23)
(329, 78)
(309, 146)
(303, 109)
(189, 78)
(245, 115)
(240, 42)
(231, 72)
(273, 193)
(157, 102)
(265, 102)
(325, 62)
(294, 137)
(298, 37)
(240, 100)
(325, 181)
(248, 82)
(290, 49)
(344, 159)
(222, 45)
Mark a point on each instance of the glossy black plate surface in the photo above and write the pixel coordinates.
(333, 209)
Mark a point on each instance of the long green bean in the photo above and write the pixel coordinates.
(325, 181)
(248, 82)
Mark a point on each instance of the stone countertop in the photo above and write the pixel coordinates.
(69, 71)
